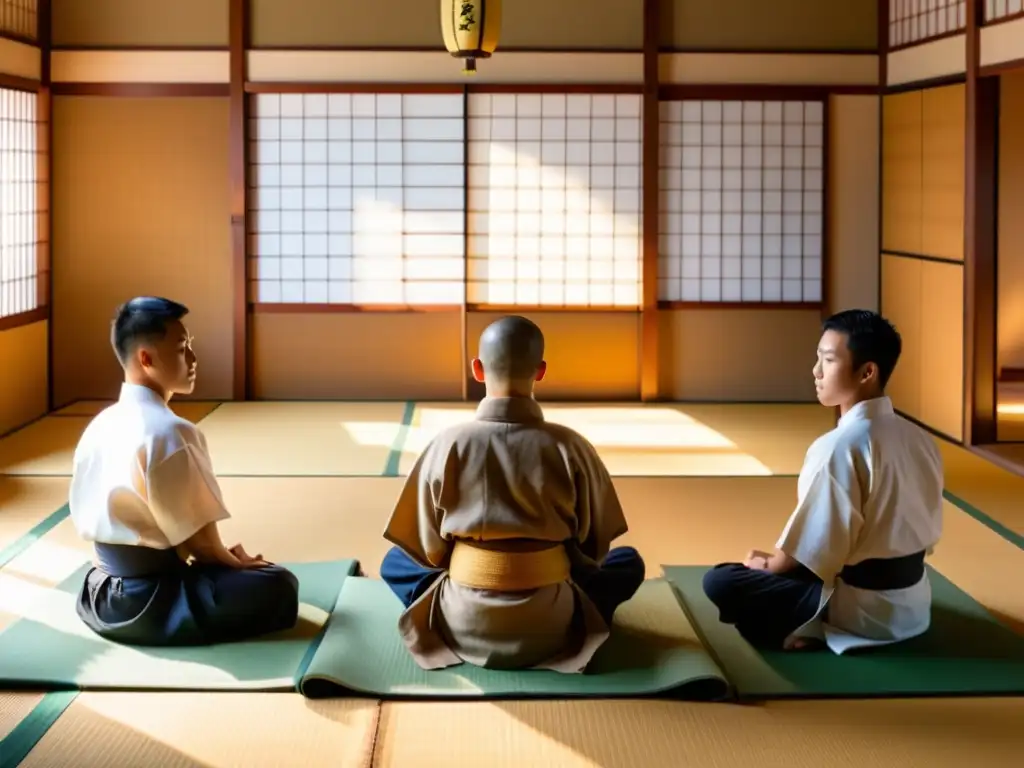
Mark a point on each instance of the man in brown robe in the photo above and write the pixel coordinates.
(504, 527)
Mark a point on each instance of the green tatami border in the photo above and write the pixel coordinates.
(17, 745)
(23, 738)
(38, 531)
(992, 524)
(395, 456)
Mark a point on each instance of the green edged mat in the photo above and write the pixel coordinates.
(965, 652)
(52, 649)
(15, 746)
(652, 650)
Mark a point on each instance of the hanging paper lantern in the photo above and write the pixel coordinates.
(470, 29)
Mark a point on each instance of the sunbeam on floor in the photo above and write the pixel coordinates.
(316, 482)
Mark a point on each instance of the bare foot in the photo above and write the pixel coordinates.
(800, 644)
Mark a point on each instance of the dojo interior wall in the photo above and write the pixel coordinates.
(712, 354)
(24, 374)
(141, 197)
(1010, 235)
(922, 276)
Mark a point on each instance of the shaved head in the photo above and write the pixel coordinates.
(512, 349)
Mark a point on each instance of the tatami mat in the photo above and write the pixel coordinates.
(706, 520)
(319, 518)
(652, 734)
(303, 438)
(47, 447)
(44, 447)
(681, 520)
(14, 707)
(671, 520)
(212, 730)
(25, 502)
(309, 439)
(993, 490)
(193, 410)
(664, 439)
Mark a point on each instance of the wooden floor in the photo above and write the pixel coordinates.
(1010, 412)
(307, 481)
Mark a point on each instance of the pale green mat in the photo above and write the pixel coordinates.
(50, 648)
(652, 651)
(966, 652)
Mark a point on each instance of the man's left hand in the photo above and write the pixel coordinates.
(247, 560)
(757, 560)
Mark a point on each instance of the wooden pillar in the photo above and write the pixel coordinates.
(44, 264)
(649, 350)
(238, 23)
(466, 239)
(980, 189)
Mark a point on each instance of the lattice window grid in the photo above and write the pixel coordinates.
(1000, 9)
(912, 21)
(357, 199)
(19, 18)
(741, 201)
(555, 199)
(21, 192)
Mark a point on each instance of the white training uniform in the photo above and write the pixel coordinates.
(142, 475)
(870, 488)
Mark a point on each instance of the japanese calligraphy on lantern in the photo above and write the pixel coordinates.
(467, 17)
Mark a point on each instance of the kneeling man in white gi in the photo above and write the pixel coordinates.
(144, 492)
(849, 567)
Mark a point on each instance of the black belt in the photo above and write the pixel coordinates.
(880, 574)
(126, 561)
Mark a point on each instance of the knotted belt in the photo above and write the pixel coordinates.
(879, 574)
(507, 570)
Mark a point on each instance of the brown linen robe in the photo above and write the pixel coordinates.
(508, 476)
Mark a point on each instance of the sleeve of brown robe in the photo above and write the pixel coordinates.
(415, 523)
(599, 514)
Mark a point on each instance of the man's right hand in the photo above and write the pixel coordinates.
(757, 560)
(206, 546)
(245, 560)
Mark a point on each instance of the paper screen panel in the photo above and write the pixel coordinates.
(742, 201)
(19, 18)
(554, 200)
(357, 199)
(1001, 9)
(914, 21)
(23, 202)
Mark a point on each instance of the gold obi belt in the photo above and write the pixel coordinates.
(509, 569)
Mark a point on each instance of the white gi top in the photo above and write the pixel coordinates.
(142, 475)
(870, 488)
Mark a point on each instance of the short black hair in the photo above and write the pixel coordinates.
(144, 318)
(512, 348)
(870, 338)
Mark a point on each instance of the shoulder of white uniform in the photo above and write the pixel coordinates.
(924, 440)
(855, 436)
(172, 434)
(98, 431)
(845, 450)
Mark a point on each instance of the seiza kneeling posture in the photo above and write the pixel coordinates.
(144, 492)
(503, 530)
(849, 567)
